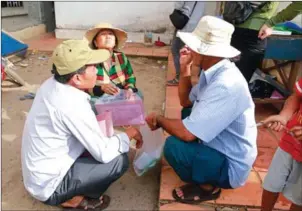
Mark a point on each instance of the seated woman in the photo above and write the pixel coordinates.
(115, 73)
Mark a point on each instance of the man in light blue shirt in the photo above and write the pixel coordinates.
(214, 146)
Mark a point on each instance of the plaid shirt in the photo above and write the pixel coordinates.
(121, 74)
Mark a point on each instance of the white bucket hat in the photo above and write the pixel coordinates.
(211, 37)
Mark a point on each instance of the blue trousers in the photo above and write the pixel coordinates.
(195, 162)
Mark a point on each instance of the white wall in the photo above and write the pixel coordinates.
(132, 16)
(73, 18)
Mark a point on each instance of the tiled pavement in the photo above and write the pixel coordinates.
(247, 197)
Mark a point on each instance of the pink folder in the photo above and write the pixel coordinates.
(105, 122)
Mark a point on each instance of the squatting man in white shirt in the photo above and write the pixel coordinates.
(61, 126)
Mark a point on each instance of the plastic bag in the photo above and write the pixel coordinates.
(124, 111)
(151, 151)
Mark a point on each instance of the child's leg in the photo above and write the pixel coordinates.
(276, 179)
(268, 200)
(295, 207)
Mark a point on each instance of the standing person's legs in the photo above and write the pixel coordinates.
(177, 44)
(89, 178)
(252, 51)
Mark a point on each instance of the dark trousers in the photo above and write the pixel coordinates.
(176, 45)
(252, 51)
(88, 177)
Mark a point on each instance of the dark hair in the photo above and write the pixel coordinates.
(94, 38)
(64, 79)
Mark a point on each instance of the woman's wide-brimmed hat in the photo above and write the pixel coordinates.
(120, 34)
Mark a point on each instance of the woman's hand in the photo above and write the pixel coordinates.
(110, 89)
(265, 32)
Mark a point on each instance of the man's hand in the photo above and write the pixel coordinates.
(134, 133)
(186, 57)
(275, 122)
(110, 89)
(185, 60)
(265, 32)
(297, 131)
(151, 120)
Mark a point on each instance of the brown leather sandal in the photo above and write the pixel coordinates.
(93, 204)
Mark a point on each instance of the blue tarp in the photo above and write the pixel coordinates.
(10, 45)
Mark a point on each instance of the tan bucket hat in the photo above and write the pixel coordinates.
(212, 37)
(72, 55)
(120, 34)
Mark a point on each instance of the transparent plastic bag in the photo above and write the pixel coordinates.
(151, 151)
(124, 111)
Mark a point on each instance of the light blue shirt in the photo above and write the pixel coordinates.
(223, 117)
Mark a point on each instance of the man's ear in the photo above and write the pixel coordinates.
(75, 79)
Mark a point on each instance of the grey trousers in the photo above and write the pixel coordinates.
(88, 177)
(176, 45)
